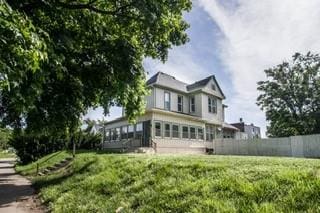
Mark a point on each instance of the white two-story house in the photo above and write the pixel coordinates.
(175, 112)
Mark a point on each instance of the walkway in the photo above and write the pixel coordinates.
(15, 190)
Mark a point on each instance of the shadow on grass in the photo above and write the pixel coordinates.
(58, 179)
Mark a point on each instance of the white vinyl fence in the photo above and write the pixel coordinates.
(296, 146)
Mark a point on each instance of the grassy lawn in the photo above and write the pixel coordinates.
(4, 154)
(143, 183)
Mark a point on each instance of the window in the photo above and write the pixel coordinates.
(166, 100)
(167, 130)
(192, 104)
(210, 133)
(185, 132)
(130, 131)
(138, 131)
(112, 134)
(117, 133)
(124, 131)
(180, 103)
(200, 133)
(175, 131)
(212, 105)
(213, 87)
(108, 135)
(193, 133)
(158, 129)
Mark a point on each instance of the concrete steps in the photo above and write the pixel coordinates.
(145, 150)
(65, 163)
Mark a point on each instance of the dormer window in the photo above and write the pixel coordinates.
(212, 105)
(166, 100)
(180, 103)
(192, 104)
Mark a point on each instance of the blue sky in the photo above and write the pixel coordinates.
(236, 40)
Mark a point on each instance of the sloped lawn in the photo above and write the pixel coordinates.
(145, 183)
(5, 154)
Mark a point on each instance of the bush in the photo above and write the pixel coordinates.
(30, 147)
(5, 135)
(86, 140)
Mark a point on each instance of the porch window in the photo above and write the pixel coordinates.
(185, 132)
(130, 131)
(175, 131)
(124, 132)
(166, 100)
(200, 133)
(158, 129)
(167, 130)
(108, 135)
(193, 133)
(112, 131)
(117, 133)
(210, 133)
(180, 103)
(192, 104)
(138, 130)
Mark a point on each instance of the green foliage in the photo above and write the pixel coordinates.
(291, 96)
(5, 135)
(101, 182)
(6, 154)
(85, 140)
(86, 53)
(29, 147)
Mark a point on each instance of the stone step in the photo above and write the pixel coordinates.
(62, 164)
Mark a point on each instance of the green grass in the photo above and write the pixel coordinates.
(143, 183)
(4, 154)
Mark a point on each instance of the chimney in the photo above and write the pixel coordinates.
(241, 120)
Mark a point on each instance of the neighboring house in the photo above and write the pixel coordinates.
(175, 111)
(247, 131)
(96, 128)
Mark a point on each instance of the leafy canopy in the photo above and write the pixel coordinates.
(59, 57)
(291, 96)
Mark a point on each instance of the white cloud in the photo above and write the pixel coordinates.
(259, 35)
(180, 64)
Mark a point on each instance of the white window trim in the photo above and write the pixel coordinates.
(195, 132)
(164, 130)
(179, 131)
(164, 100)
(181, 103)
(190, 105)
(161, 129)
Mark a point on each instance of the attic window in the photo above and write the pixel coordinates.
(213, 87)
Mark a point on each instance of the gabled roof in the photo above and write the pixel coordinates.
(169, 81)
(203, 83)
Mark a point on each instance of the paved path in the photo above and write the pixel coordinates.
(15, 190)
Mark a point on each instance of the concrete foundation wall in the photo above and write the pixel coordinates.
(296, 146)
(179, 146)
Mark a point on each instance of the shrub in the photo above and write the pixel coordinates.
(30, 147)
(5, 135)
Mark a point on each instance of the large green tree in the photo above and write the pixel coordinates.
(60, 57)
(291, 96)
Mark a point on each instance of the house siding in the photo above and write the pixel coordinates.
(215, 117)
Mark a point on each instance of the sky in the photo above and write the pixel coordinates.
(236, 40)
